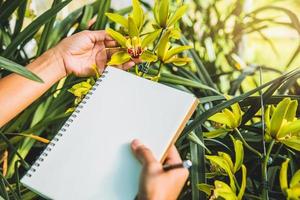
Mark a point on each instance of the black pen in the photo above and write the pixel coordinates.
(185, 164)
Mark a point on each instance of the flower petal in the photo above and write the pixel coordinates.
(239, 154)
(244, 181)
(292, 128)
(278, 116)
(178, 14)
(163, 13)
(205, 188)
(283, 175)
(179, 61)
(221, 118)
(148, 56)
(118, 19)
(117, 36)
(224, 191)
(227, 159)
(150, 38)
(293, 193)
(163, 45)
(293, 143)
(176, 50)
(231, 117)
(119, 58)
(296, 179)
(138, 14)
(291, 112)
(216, 133)
(132, 28)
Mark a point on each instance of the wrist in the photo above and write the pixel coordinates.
(58, 64)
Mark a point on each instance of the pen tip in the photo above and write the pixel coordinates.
(187, 164)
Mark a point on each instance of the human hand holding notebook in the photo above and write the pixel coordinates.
(122, 107)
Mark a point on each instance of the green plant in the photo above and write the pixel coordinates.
(243, 126)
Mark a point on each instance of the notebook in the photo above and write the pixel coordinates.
(90, 157)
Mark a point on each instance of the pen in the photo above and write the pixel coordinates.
(185, 164)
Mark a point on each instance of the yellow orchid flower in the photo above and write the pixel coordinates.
(137, 17)
(282, 124)
(222, 190)
(132, 48)
(170, 55)
(223, 162)
(227, 120)
(162, 14)
(291, 190)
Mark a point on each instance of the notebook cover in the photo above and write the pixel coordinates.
(91, 158)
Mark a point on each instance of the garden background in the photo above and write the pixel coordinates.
(244, 138)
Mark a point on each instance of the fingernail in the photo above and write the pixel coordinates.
(135, 144)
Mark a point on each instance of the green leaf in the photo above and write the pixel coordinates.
(101, 18)
(150, 38)
(295, 179)
(207, 189)
(8, 8)
(138, 14)
(216, 133)
(118, 19)
(33, 27)
(177, 15)
(193, 137)
(132, 28)
(119, 58)
(117, 36)
(283, 176)
(148, 56)
(163, 13)
(244, 182)
(18, 69)
(176, 50)
(87, 16)
(278, 116)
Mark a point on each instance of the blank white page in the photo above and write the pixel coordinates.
(92, 159)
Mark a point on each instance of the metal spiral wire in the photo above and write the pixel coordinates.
(63, 130)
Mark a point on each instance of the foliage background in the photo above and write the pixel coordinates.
(235, 76)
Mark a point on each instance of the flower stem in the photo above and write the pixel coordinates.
(247, 145)
(154, 49)
(265, 193)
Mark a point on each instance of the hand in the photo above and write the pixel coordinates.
(78, 53)
(155, 183)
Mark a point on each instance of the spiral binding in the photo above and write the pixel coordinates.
(61, 132)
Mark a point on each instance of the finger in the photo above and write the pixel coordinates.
(101, 60)
(142, 153)
(173, 156)
(111, 43)
(128, 65)
(96, 36)
(111, 51)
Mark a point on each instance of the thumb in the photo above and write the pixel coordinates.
(142, 153)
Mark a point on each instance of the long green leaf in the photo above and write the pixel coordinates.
(201, 119)
(101, 18)
(33, 27)
(16, 68)
(8, 8)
